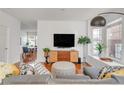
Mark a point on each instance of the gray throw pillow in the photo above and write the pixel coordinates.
(92, 72)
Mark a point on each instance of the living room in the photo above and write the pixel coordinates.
(89, 58)
(61, 46)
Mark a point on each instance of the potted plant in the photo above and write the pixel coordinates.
(100, 47)
(46, 53)
(84, 40)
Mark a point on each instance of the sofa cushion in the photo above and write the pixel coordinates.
(80, 81)
(84, 77)
(118, 78)
(92, 72)
(27, 79)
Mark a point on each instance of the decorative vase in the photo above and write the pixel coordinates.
(79, 60)
(46, 55)
(100, 54)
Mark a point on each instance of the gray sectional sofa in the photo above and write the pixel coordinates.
(89, 78)
(46, 79)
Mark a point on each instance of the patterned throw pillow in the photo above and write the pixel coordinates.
(26, 69)
(106, 71)
(39, 68)
(118, 72)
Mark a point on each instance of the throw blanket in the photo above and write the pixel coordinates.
(6, 69)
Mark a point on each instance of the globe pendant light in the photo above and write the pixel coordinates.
(100, 21)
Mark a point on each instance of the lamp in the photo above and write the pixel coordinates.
(100, 21)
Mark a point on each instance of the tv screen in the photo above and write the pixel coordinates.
(64, 40)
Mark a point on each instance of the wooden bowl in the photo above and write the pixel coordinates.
(106, 59)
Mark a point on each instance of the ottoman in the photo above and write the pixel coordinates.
(63, 68)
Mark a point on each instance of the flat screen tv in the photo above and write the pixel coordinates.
(64, 40)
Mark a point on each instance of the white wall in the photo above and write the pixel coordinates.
(46, 29)
(13, 26)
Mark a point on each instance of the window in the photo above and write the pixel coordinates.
(111, 36)
(32, 37)
(97, 38)
(114, 41)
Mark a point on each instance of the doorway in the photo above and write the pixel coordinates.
(29, 46)
(3, 44)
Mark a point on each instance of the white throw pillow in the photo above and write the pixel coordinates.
(26, 69)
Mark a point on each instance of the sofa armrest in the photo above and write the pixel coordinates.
(118, 78)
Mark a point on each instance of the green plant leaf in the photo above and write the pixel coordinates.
(100, 47)
(46, 49)
(84, 40)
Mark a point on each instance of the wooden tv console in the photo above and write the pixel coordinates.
(63, 55)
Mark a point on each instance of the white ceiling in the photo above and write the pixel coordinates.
(29, 16)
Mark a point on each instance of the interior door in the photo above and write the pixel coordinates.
(3, 44)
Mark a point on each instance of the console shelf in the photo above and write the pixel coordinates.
(63, 55)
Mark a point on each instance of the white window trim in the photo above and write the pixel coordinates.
(119, 20)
